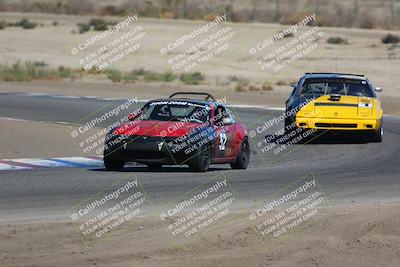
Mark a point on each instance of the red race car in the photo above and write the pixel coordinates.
(179, 131)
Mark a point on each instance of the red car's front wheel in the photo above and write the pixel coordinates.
(201, 160)
(113, 164)
(243, 158)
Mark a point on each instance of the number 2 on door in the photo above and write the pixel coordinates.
(222, 141)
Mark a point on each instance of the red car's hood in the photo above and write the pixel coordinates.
(155, 128)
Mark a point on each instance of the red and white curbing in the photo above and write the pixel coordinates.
(61, 162)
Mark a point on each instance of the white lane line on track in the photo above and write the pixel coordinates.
(11, 119)
(63, 162)
(23, 120)
(281, 108)
(126, 99)
(139, 101)
(257, 107)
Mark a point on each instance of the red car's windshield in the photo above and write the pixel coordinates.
(175, 111)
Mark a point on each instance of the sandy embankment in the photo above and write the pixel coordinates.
(357, 235)
(364, 54)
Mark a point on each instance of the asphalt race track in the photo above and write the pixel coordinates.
(349, 169)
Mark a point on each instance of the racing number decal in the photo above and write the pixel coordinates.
(222, 141)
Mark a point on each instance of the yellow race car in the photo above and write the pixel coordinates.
(335, 101)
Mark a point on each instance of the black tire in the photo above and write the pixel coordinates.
(377, 136)
(287, 123)
(152, 166)
(201, 161)
(243, 158)
(289, 128)
(113, 164)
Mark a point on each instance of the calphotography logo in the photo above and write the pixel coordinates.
(204, 208)
(105, 49)
(109, 211)
(272, 55)
(289, 210)
(199, 46)
(95, 128)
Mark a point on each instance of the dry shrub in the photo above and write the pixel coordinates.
(254, 88)
(267, 87)
(83, 27)
(167, 13)
(390, 39)
(23, 23)
(210, 17)
(337, 40)
(282, 83)
(241, 85)
(192, 78)
(288, 35)
(240, 88)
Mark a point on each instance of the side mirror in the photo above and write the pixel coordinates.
(378, 89)
(294, 84)
(227, 121)
(133, 116)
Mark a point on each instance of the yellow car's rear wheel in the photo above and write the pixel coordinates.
(377, 136)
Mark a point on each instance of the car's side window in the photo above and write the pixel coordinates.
(220, 114)
(297, 91)
(231, 116)
(354, 89)
(314, 89)
(293, 91)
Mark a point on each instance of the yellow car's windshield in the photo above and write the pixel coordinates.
(337, 86)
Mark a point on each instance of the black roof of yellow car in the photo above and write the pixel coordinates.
(334, 75)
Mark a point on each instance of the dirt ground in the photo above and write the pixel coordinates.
(353, 235)
(363, 54)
